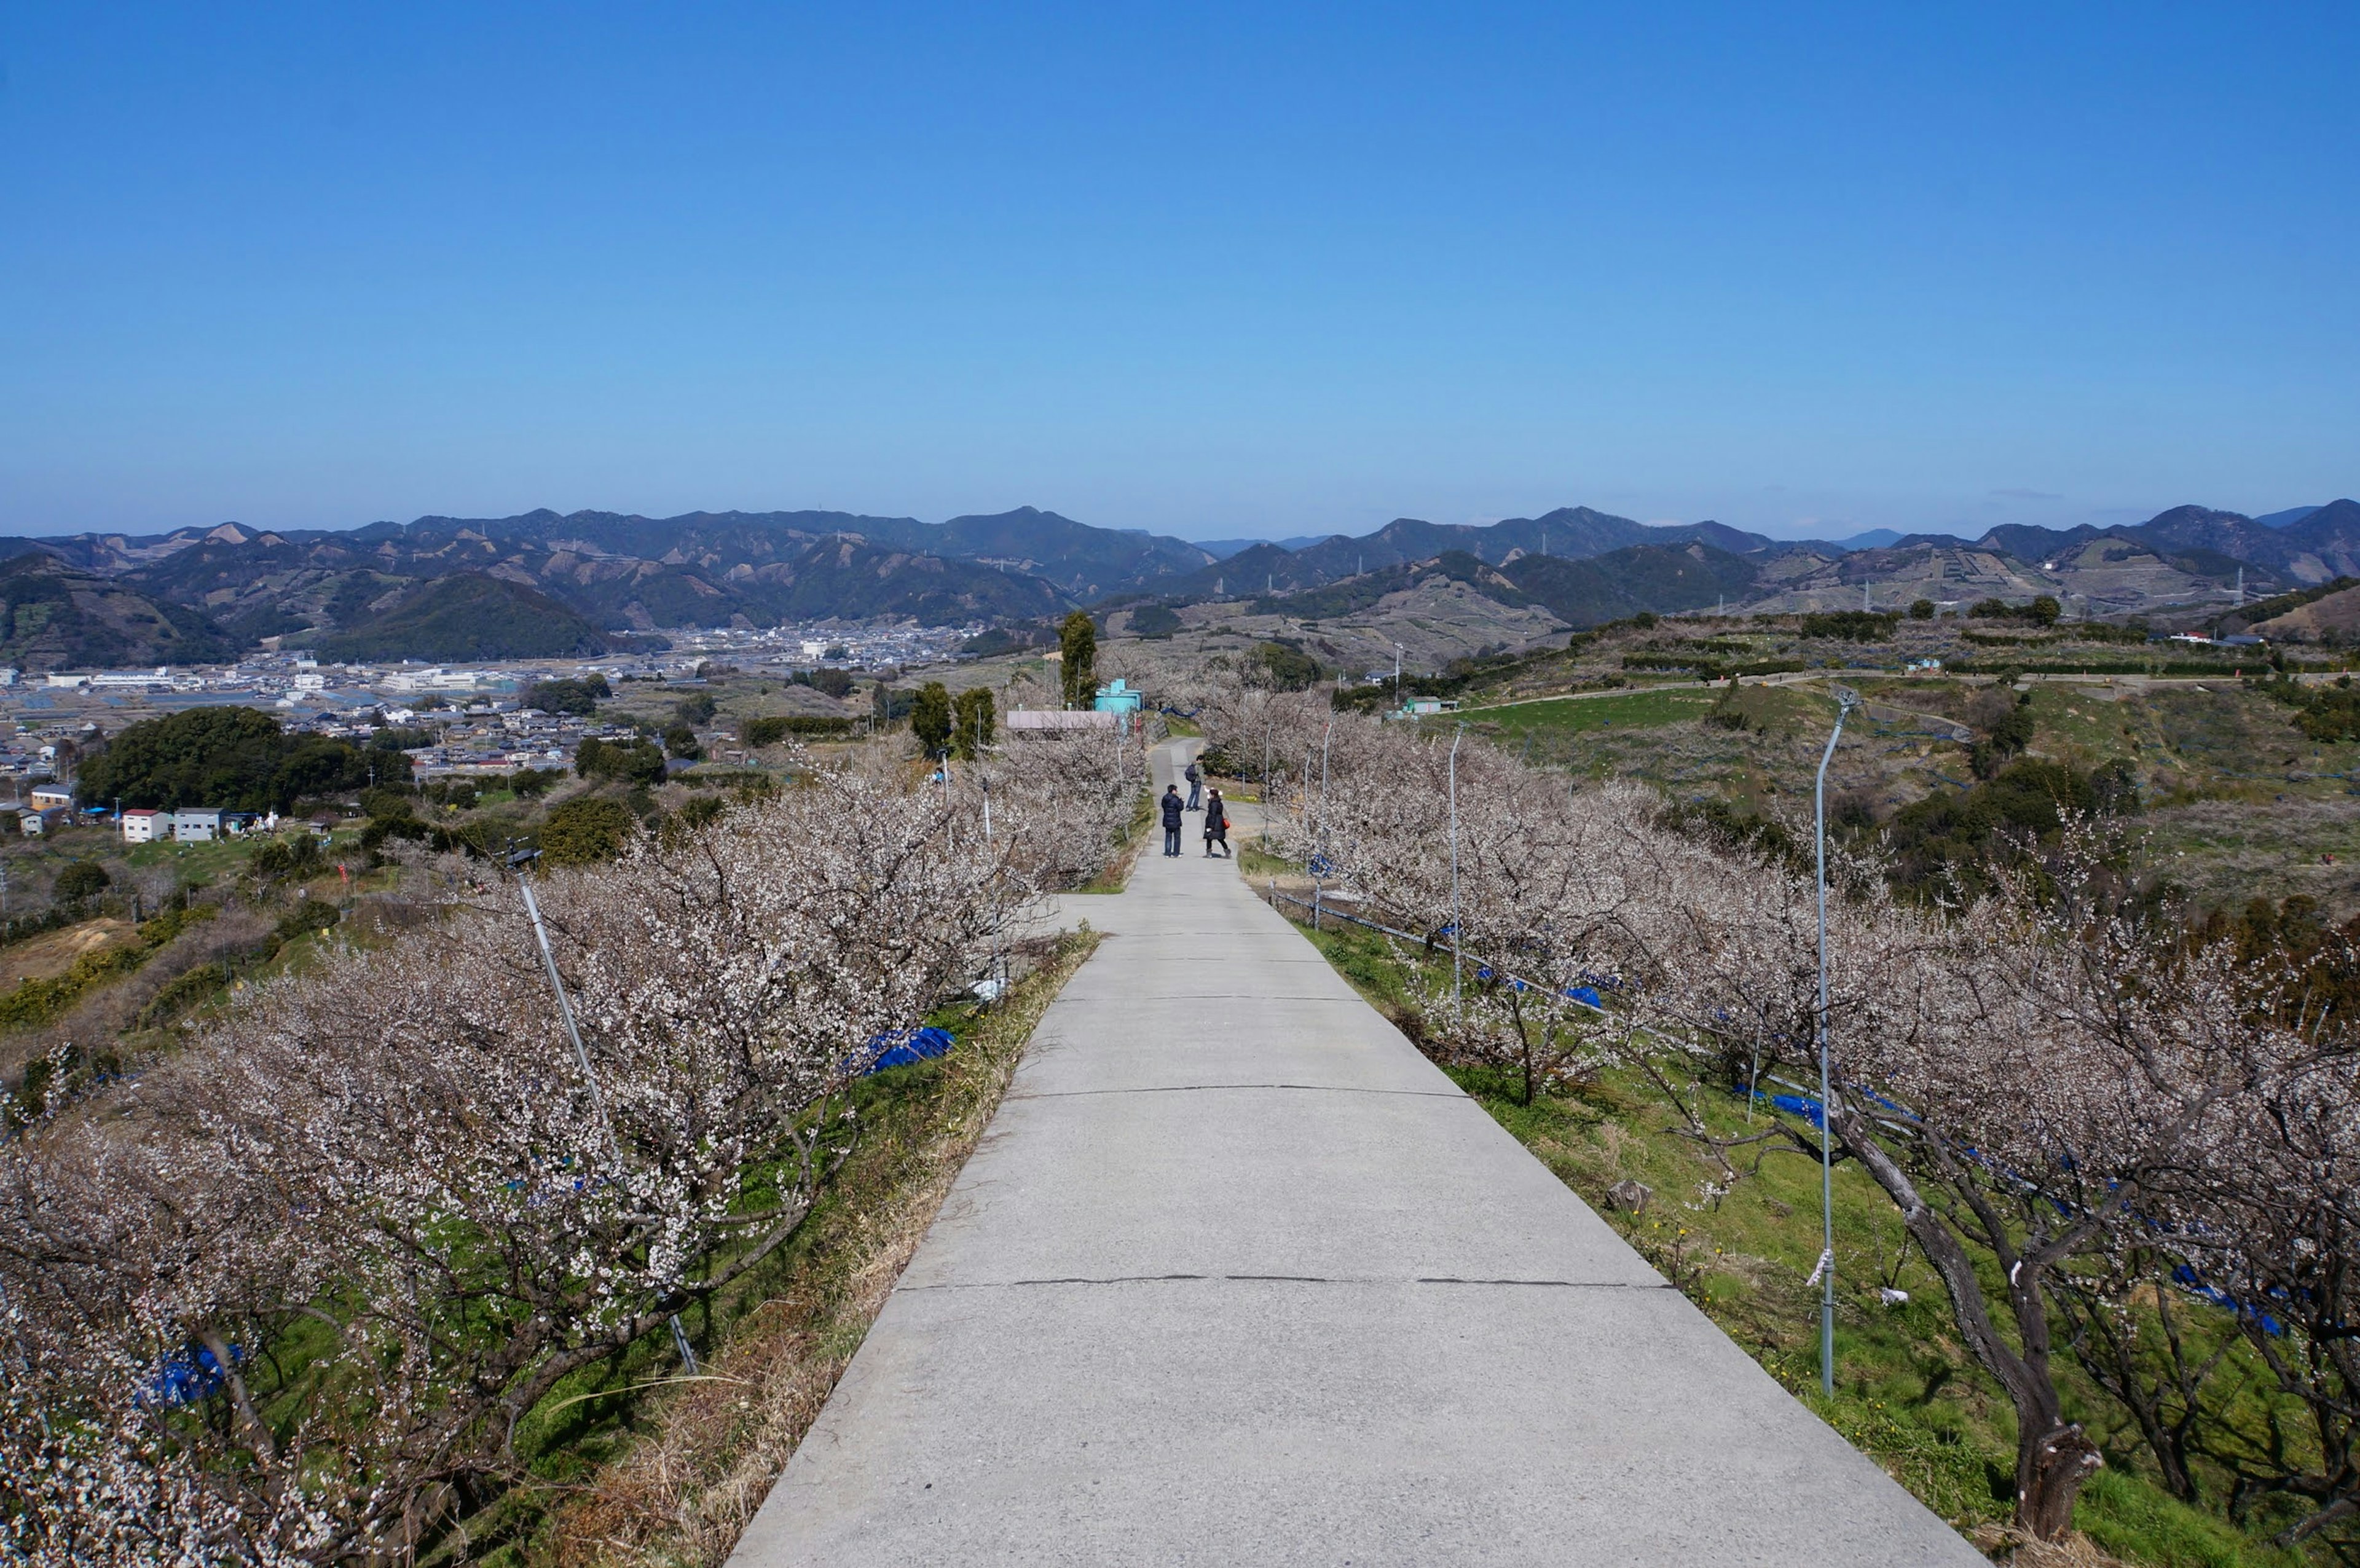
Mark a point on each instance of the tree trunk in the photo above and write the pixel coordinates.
(2053, 1457)
(2050, 1471)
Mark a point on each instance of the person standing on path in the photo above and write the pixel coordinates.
(1196, 777)
(1217, 825)
(1172, 810)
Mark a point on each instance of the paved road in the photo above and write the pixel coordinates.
(1237, 1276)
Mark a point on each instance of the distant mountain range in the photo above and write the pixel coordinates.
(548, 584)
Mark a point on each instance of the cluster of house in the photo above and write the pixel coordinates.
(192, 824)
(52, 806)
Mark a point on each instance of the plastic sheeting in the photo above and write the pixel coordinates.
(898, 1047)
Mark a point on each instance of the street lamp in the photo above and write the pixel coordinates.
(1846, 701)
(1454, 865)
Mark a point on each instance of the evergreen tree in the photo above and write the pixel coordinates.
(1078, 640)
(976, 718)
(930, 717)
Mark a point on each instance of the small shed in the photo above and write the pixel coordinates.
(1118, 698)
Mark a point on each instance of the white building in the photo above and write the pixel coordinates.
(141, 825)
(196, 826)
(69, 683)
(310, 680)
(41, 822)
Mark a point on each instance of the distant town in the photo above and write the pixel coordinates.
(478, 713)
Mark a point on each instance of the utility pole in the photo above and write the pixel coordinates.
(1846, 701)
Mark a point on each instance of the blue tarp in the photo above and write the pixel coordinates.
(898, 1047)
(187, 1378)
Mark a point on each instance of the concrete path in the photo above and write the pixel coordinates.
(1238, 1277)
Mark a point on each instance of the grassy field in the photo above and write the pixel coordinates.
(1906, 1394)
(1636, 710)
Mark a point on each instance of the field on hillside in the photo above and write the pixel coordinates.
(2237, 803)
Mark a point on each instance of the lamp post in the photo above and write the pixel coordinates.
(1454, 865)
(1846, 701)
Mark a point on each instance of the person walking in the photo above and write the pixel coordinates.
(1172, 810)
(1217, 825)
(1196, 777)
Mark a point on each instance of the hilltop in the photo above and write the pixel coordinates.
(583, 576)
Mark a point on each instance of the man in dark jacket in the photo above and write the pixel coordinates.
(1172, 810)
(1196, 777)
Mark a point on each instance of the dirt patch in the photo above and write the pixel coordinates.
(53, 953)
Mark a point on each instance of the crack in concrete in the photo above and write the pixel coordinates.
(1201, 1088)
(1284, 1280)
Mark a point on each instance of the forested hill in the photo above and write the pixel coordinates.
(55, 618)
(544, 581)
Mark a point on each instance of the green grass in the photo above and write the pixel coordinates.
(1636, 710)
(1906, 1394)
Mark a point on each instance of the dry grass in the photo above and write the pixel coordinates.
(2002, 1545)
(684, 1493)
(53, 953)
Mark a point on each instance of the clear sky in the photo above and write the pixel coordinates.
(1211, 269)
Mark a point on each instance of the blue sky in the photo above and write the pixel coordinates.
(1212, 269)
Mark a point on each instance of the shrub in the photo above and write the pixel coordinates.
(631, 762)
(83, 879)
(585, 831)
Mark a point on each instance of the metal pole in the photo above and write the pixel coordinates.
(598, 1100)
(1845, 703)
(1325, 736)
(565, 1011)
(1454, 864)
